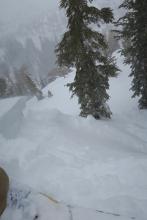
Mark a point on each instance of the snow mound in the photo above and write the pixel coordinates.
(98, 165)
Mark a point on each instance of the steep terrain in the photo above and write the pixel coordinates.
(98, 165)
(33, 43)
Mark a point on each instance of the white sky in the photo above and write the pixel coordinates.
(22, 10)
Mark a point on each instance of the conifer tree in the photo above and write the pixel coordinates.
(134, 31)
(29, 85)
(84, 48)
(3, 87)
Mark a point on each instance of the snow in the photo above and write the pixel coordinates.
(95, 169)
(7, 104)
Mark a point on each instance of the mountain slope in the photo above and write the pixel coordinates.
(32, 43)
(100, 165)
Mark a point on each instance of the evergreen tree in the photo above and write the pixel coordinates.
(84, 49)
(134, 31)
(29, 85)
(3, 87)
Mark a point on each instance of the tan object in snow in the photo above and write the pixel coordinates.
(4, 186)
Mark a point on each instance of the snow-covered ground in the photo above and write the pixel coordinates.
(87, 164)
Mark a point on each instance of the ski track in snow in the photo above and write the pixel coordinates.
(97, 165)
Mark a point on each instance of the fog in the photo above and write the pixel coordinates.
(18, 11)
(21, 11)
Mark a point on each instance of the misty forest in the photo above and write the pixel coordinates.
(73, 109)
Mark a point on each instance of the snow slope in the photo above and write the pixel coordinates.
(7, 104)
(32, 41)
(97, 165)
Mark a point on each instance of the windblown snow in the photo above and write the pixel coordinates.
(95, 169)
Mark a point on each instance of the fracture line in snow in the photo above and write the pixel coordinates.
(114, 214)
(20, 198)
(71, 207)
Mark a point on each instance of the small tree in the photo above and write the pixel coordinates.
(84, 48)
(134, 31)
(3, 87)
(28, 84)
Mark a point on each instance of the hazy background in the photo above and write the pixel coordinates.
(29, 33)
(24, 10)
